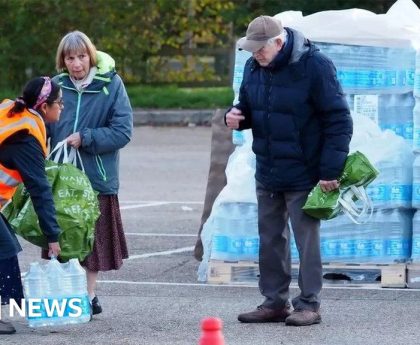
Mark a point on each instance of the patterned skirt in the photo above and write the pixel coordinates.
(10, 280)
(110, 246)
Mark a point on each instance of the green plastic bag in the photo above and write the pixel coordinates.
(357, 174)
(77, 211)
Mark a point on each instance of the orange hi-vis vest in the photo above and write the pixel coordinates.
(28, 120)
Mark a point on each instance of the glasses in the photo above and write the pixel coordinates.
(60, 103)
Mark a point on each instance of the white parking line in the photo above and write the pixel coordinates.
(293, 285)
(166, 252)
(157, 201)
(158, 234)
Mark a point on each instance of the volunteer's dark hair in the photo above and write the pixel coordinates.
(30, 95)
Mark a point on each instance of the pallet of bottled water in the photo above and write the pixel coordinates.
(56, 294)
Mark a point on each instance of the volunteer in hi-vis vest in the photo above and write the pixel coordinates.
(22, 159)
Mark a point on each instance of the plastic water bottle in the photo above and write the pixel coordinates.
(330, 239)
(416, 86)
(35, 286)
(396, 114)
(393, 187)
(294, 253)
(416, 182)
(54, 274)
(416, 124)
(389, 114)
(363, 243)
(401, 184)
(398, 234)
(415, 253)
(220, 238)
(241, 56)
(76, 287)
(379, 190)
(377, 243)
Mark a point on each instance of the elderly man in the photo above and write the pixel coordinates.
(301, 124)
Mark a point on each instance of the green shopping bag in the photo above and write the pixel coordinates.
(77, 210)
(358, 172)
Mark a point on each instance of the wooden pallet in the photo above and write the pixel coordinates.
(243, 272)
(413, 275)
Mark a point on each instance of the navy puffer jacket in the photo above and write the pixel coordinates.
(299, 117)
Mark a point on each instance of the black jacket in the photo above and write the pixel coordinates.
(300, 120)
(23, 153)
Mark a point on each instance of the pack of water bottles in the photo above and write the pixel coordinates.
(56, 294)
(235, 234)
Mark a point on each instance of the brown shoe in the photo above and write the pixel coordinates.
(303, 318)
(264, 314)
(6, 328)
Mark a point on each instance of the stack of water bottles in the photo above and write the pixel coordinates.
(58, 292)
(415, 255)
(378, 83)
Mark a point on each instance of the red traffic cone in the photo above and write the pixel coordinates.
(211, 332)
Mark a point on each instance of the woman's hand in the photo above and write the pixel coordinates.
(54, 249)
(74, 140)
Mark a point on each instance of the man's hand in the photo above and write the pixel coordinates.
(328, 186)
(54, 249)
(74, 140)
(233, 117)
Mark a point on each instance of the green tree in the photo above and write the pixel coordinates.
(151, 40)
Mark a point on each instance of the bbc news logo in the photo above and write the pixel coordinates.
(46, 307)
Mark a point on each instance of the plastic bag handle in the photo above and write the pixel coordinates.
(74, 157)
(61, 150)
(356, 214)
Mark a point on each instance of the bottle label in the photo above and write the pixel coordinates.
(416, 138)
(416, 192)
(366, 105)
(251, 246)
(346, 248)
(401, 192)
(329, 249)
(397, 248)
(378, 193)
(235, 245)
(220, 243)
(362, 248)
(378, 248)
(237, 138)
(408, 129)
(417, 83)
(416, 246)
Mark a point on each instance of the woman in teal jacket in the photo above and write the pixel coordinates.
(97, 120)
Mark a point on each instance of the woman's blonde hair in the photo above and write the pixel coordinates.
(74, 42)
